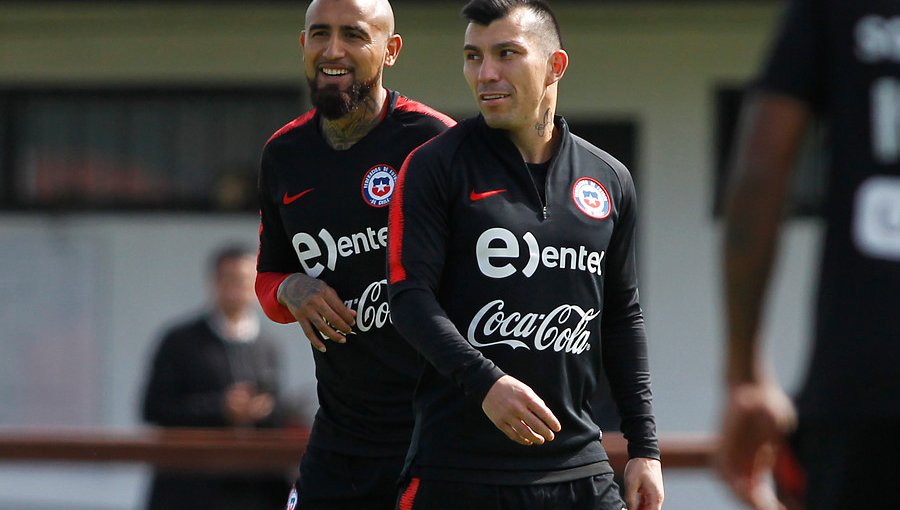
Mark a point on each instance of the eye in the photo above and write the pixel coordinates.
(356, 35)
(507, 53)
(472, 56)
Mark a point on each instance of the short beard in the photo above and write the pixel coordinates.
(333, 103)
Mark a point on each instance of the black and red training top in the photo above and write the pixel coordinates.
(491, 276)
(324, 212)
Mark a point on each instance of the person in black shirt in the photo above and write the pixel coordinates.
(217, 370)
(512, 271)
(325, 182)
(837, 61)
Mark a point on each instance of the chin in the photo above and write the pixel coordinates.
(495, 121)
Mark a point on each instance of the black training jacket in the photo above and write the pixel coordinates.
(324, 212)
(487, 279)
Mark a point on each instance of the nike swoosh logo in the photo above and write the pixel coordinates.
(289, 199)
(474, 197)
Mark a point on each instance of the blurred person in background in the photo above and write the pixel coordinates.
(217, 370)
(325, 182)
(837, 61)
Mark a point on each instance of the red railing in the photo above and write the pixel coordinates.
(248, 450)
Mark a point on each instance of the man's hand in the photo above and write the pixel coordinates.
(317, 308)
(644, 484)
(244, 406)
(519, 413)
(757, 418)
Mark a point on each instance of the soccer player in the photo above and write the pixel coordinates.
(326, 180)
(512, 271)
(839, 61)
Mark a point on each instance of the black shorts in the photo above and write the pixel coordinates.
(840, 468)
(598, 492)
(334, 481)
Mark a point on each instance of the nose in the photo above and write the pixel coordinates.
(488, 71)
(334, 48)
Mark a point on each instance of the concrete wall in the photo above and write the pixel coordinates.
(657, 65)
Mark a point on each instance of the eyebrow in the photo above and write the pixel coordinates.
(354, 28)
(498, 46)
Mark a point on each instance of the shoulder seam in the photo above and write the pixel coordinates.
(294, 124)
(617, 166)
(405, 104)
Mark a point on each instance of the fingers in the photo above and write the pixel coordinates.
(643, 484)
(755, 492)
(746, 473)
(519, 413)
(319, 310)
(340, 316)
(262, 405)
(520, 434)
(545, 415)
(631, 495)
(316, 326)
(538, 429)
(644, 500)
(755, 419)
(328, 329)
(531, 432)
(312, 335)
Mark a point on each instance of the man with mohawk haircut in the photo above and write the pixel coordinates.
(512, 271)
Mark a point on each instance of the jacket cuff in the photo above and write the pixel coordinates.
(267, 284)
(478, 378)
(645, 451)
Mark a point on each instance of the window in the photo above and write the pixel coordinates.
(142, 149)
(617, 137)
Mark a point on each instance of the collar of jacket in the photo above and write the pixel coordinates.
(499, 142)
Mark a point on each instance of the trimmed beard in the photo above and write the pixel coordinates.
(334, 103)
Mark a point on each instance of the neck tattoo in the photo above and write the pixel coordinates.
(541, 127)
(342, 133)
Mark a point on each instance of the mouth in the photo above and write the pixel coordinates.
(334, 71)
(491, 97)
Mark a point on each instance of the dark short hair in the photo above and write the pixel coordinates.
(485, 12)
(226, 253)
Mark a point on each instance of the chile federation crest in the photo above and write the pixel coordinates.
(591, 198)
(378, 185)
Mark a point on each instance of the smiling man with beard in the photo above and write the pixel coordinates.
(325, 181)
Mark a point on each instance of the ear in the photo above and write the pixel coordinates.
(392, 50)
(559, 62)
(302, 39)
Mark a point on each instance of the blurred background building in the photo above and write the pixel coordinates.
(129, 139)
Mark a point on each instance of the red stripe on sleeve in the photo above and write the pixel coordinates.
(396, 271)
(267, 292)
(409, 495)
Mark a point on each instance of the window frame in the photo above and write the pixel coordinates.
(11, 144)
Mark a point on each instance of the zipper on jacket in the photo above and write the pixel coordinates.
(545, 210)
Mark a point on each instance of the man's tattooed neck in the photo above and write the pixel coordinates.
(541, 127)
(342, 133)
